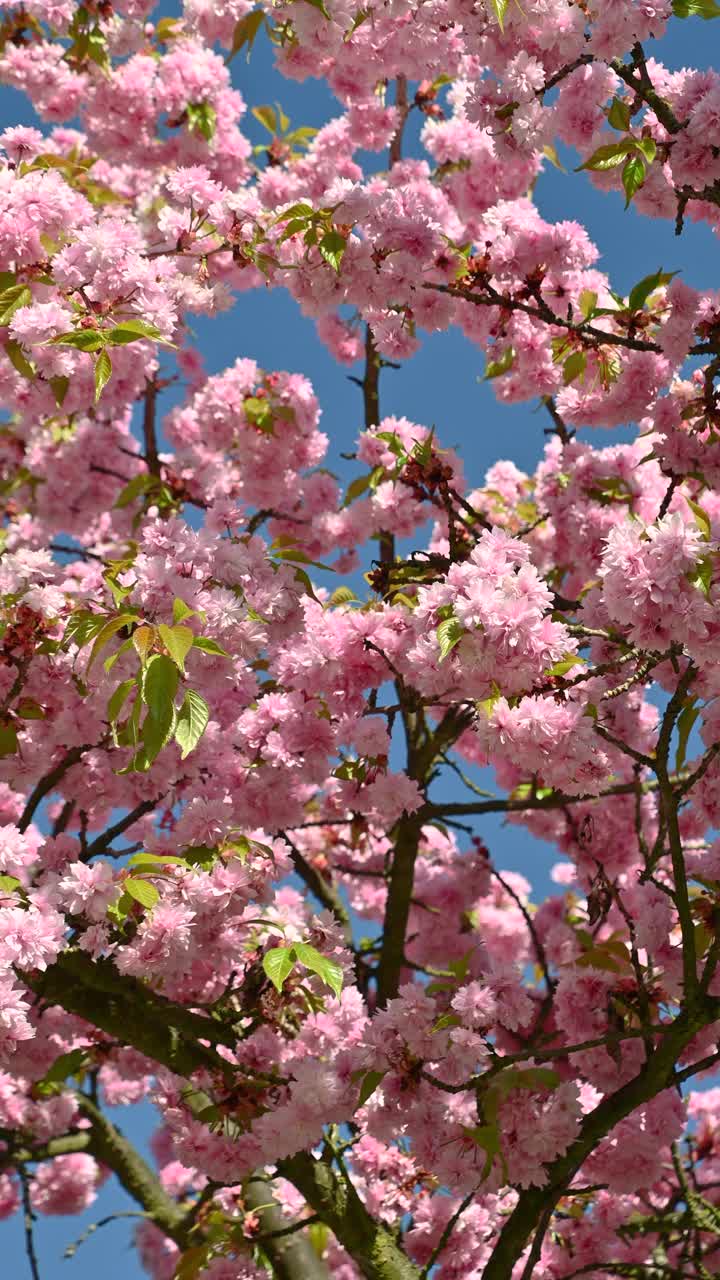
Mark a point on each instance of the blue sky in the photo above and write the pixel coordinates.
(437, 386)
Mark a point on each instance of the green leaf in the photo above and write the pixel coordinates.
(143, 639)
(702, 575)
(644, 288)
(59, 386)
(132, 330)
(155, 860)
(118, 697)
(327, 970)
(192, 722)
(157, 732)
(18, 359)
(125, 647)
(574, 367)
(139, 484)
(495, 368)
(357, 487)
(342, 595)
(550, 153)
(267, 118)
(587, 303)
(142, 891)
(68, 1064)
(318, 1233)
(449, 633)
(619, 115)
(178, 641)
(702, 518)
(159, 686)
(370, 1082)
(245, 33)
(108, 631)
(201, 118)
(29, 709)
(81, 339)
(695, 8)
(633, 176)
(103, 373)
(181, 611)
(258, 412)
(210, 646)
(12, 299)
(608, 156)
(499, 8)
(332, 247)
(566, 664)
(8, 884)
(648, 148)
(686, 720)
(278, 964)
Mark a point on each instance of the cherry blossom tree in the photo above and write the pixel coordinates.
(219, 768)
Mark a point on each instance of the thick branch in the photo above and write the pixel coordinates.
(371, 1244)
(657, 1074)
(291, 1252)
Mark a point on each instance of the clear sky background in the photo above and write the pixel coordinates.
(439, 385)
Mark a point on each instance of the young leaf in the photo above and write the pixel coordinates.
(608, 156)
(81, 339)
(160, 686)
(103, 373)
(139, 484)
(29, 709)
(181, 611)
(327, 970)
(191, 722)
(644, 288)
(332, 247)
(574, 367)
(278, 964)
(8, 740)
(142, 891)
(207, 645)
(245, 33)
(178, 641)
(686, 720)
(143, 639)
(108, 631)
(449, 633)
(495, 368)
(702, 519)
(619, 115)
(126, 331)
(633, 176)
(267, 117)
(157, 732)
(18, 359)
(117, 698)
(201, 118)
(695, 8)
(59, 387)
(370, 1082)
(587, 303)
(12, 299)
(499, 8)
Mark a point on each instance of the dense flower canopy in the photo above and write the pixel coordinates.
(219, 768)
